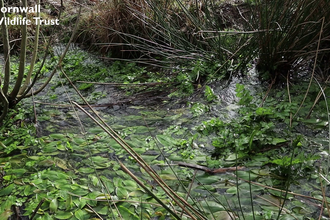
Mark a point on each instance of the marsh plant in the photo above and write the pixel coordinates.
(291, 34)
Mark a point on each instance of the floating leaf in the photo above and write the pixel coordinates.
(86, 170)
(127, 214)
(268, 200)
(108, 183)
(121, 193)
(81, 214)
(102, 210)
(207, 179)
(49, 149)
(232, 190)
(80, 203)
(142, 129)
(94, 179)
(166, 140)
(130, 185)
(28, 190)
(17, 172)
(60, 163)
(247, 175)
(222, 215)
(53, 205)
(211, 206)
(58, 136)
(68, 203)
(47, 163)
(63, 215)
(7, 190)
(168, 176)
(34, 157)
(79, 141)
(96, 130)
(79, 191)
(316, 122)
(137, 193)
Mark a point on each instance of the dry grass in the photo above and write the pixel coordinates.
(104, 24)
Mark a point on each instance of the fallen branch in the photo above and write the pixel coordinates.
(208, 170)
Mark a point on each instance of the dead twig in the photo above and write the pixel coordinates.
(208, 170)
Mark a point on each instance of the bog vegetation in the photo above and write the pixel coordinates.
(180, 110)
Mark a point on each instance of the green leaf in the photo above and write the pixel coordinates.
(7, 190)
(121, 193)
(166, 140)
(264, 111)
(17, 172)
(81, 214)
(94, 179)
(102, 210)
(130, 185)
(79, 191)
(276, 141)
(86, 170)
(28, 190)
(127, 214)
(61, 163)
(53, 205)
(61, 147)
(247, 175)
(58, 136)
(108, 183)
(209, 94)
(68, 203)
(232, 190)
(63, 215)
(211, 206)
(207, 179)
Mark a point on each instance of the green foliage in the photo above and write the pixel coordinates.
(209, 94)
(252, 132)
(198, 109)
(17, 133)
(81, 66)
(190, 78)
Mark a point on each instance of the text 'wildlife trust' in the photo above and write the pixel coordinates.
(19, 20)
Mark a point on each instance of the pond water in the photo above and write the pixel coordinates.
(154, 129)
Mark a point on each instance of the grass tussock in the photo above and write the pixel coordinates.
(289, 32)
(102, 26)
(282, 36)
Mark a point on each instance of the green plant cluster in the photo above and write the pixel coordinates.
(254, 131)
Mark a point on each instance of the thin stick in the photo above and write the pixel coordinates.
(94, 211)
(37, 208)
(288, 88)
(189, 190)
(147, 190)
(285, 210)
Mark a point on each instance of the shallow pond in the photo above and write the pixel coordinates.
(76, 161)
